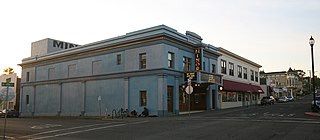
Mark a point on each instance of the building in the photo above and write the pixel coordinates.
(14, 103)
(240, 80)
(285, 83)
(149, 67)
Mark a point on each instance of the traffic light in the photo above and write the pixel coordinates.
(220, 87)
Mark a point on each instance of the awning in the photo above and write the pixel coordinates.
(236, 86)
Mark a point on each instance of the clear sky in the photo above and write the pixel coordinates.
(272, 33)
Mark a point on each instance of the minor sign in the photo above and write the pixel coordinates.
(5, 84)
(190, 76)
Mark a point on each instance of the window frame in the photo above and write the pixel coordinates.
(170, 60)
(239, 71)
(143, 60)
(223, 65)
(186, 63)
(143, 98)
(231, 69)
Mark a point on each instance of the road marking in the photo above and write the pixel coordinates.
(53, 131)
(79, 131)
(240, 119)
(45, 126)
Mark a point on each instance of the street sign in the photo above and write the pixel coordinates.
(189, 89)
(5, 84)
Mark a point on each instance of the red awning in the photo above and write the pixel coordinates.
(236, 86)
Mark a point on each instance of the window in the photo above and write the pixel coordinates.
(72, 70)
(239, 71)
(51, 73)
(118, 59)
(186, 64)
(229, 97)
(213, 69)
(245, 73)
(96, 67)
(252, 75)
(170, 60)
(204, 66)
(239, 97)
(223, 67)
(231, 69)
(143, 60)
(28, 77)
(256, 76)
(27, 99)
(143, 98)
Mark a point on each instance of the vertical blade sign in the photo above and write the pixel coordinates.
(198, 59)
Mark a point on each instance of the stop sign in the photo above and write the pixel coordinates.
(189, 89)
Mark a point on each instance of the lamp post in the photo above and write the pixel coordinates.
(311, 42)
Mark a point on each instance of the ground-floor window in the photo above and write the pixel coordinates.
(229, 97)
(143, 98)
(239, 97)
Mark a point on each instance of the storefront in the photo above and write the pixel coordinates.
(236, 94)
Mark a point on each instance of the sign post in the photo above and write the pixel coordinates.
(189, 90)
(7, 84)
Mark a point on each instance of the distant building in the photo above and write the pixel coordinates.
(14, 103)
(285, 83)
(149, 67)
(241, 80)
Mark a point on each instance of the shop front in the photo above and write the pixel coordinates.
(204, 93)
(236, 94)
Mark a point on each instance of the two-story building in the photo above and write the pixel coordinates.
(241, 85)
(146, 68)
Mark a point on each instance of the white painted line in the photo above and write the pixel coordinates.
(53, 131)
(79, 131)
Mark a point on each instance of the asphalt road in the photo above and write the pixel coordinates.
(279, 121)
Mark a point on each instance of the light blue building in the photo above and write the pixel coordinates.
(148, 67)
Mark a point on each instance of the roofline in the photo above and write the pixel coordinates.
(238, 57)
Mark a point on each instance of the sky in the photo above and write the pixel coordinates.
(272, 33)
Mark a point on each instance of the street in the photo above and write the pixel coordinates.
(279, 121)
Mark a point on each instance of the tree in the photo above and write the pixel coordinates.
(8, 71)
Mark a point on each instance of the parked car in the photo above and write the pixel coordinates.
(267, 100)
(283, 99)
(11, 113)
(290, 98)
(317, 104)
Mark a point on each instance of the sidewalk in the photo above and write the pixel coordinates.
(312, 114)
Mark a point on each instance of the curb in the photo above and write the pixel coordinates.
(312, 114)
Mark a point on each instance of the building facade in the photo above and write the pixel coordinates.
(240, 80)
(14, 103)
(146, 68)
(285, 83)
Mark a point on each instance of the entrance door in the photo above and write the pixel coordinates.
(213, 99)
(170, 98)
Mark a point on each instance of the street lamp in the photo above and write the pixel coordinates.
(311, 42)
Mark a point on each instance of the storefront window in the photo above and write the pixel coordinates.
(229, 97)
(239, 97)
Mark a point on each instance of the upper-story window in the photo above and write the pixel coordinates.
(252, 75)
(170, 60)
(186, 64)
(118, 59)
(223, 66)
(28, 77)
(239, 71)
(256, 76)
(245, 73)
(213, 68)
(231, 69)
(143, 60)
(204, 66)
